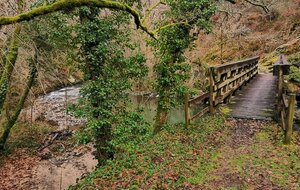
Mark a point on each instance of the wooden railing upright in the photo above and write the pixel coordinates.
(285, 98)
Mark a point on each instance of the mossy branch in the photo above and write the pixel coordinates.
(170, 25)
(70, 4)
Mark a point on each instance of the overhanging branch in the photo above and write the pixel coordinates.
(69, 4)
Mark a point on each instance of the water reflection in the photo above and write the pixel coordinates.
(148, 104)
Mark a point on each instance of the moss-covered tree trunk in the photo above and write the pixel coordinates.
(93, 71)
(165, 98)
(160, 119)
(9, 63)
(11, 121)
(103, 152)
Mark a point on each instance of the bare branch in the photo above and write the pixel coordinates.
(261, 5)
(231, 1)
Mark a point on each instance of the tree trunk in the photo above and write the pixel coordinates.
(161, 119)
(103, 149)
(10, 60)
(11, 121)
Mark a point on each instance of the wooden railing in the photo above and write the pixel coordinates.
(285, 98)
(225, 80)
(199, 100)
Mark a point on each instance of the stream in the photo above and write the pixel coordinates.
(51, 107)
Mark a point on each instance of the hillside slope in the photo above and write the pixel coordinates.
(243, 30)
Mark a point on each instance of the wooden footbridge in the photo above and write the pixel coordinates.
(247, 93)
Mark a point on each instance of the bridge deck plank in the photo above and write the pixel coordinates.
(256, 100)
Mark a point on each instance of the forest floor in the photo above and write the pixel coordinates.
(214, 153)
(252, 157)
(57, 166)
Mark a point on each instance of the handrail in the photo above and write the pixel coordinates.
(202, 99)
(225, 67)
(225, 80)
(199, 98)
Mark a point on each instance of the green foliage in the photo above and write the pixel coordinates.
(172, 70)
(108, 74)
(196, 12)
(164, 161)
(294, 74)
(50, 32)
(294, 58)
(130, 131)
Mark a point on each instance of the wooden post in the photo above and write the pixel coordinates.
(227, 99)
(211, 91)
(187, 109)
(290, 119)
(280, 90)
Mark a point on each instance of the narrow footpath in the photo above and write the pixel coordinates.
(252, 156)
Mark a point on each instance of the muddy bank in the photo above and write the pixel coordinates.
(62, 171)
(22, 171)
(57, 165)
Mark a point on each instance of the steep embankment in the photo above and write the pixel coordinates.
(243, 30)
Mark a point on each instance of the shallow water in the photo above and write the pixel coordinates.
(149, 104)
(51, 108)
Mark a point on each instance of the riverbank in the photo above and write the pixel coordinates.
(57, 166)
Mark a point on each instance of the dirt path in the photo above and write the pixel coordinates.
(252, 157)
